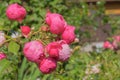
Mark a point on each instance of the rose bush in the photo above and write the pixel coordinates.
(38, 46)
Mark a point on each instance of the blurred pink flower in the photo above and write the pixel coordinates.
(47, 65)
(2, 38)
(34, 51)
(116, 38)
(2, 56)
(56, 23)
(68, 35)
(16, 12)
(25, 30)
(108, 45)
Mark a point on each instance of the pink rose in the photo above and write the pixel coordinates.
(68, 35)
(47, 65)
(108, 45)
(53, 49)
(65, 52)
(59, 50)
(2, 38)
(16, 12)
(56, 23)
(34, 51)
(2, 56)
(25, 30)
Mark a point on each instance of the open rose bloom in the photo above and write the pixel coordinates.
(56, 23)
(16, 12)
(34, 51)
(47, 65)
(68, 35)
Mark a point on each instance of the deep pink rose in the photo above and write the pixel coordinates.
(53, 49)
(59, 50)
(25, 30)
(47, 65)
(108, 45)
(2, 56)
(16, 12)
(68, 35)
(34, 51)
(56, 23)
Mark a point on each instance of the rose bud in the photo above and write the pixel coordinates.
(2, 56)
(2, 38)
(108, 45)
(16, 12)
(68, 35)
(47, 65)
(25, 30)
(56, 23)
(34, 51)
(44, 28)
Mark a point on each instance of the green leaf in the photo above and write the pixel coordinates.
(13, 47)
(3, 66)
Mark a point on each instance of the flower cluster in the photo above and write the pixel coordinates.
(113, 45)
(59, 26)
(47, 55)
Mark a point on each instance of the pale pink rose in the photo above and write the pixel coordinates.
(108, 45)
(34, 51)
(68, 35)
(25, 30)
(65, 52)
(2, 38)
(56, 23)
(2, 56)
(59, 50)
(47, 65)
(16, 12)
